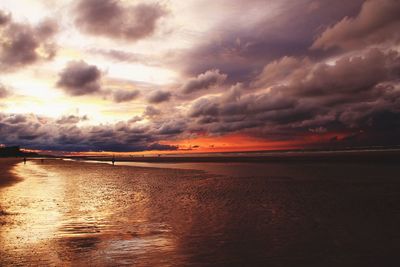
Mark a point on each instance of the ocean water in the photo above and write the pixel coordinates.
(239, 214)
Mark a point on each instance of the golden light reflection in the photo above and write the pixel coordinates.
(33, 205)
(61, 211)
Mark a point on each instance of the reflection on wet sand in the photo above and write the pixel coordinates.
(33, 205)
(80, 214)
(33, 212)
(59, 217)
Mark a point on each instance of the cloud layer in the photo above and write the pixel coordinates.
(203, 81)
(79, 78)
(376, 23)
(321, 73)
(22, 44)
(65, 134)
(113, 19)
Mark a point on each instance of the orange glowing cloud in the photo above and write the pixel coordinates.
(242, 142)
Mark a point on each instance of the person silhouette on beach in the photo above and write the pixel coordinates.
(113, 160)
(24, 161)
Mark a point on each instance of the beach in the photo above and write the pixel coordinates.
(303, 214)
(7, 178)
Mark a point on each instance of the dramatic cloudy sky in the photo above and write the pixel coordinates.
(199, 75)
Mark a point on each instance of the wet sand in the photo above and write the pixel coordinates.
(6, 177)
(85, 214)
(364, 156)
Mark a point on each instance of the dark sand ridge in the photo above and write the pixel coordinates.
(6, 177)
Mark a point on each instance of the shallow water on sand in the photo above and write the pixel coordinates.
(80, 214)
(292, 170)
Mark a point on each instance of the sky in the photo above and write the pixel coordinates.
(174, 76)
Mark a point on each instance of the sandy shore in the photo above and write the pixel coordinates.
(6, 177)
(80, 214)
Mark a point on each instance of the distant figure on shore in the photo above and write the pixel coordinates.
(113, 160)
(24, 161)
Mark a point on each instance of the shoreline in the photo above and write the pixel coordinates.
(342, 156)
(8, 178)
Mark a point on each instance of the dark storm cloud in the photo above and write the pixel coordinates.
(305, 96)
(348, 75)
(241, 47)
(23, 44)
(125, 96)
(172, 128)
(113, 19)
(253, 110)
(232, 103)
(37, 132)
(377, 22)
(203, 81)
(79, 78)
(204, 107)
(159, 96)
